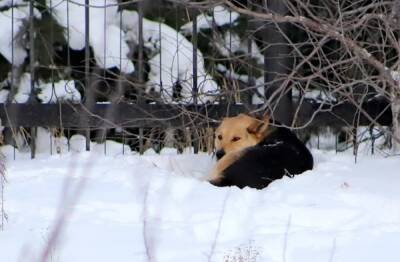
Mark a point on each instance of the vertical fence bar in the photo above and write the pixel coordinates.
(371, 134)
(336, 143)
(123, 142)
(141, 142)
(194, 43)
(31, 49)
(120, 77)
(68, 51)
(105, 39)
(105, 141)
(87, 67)
(33, 133)
(177, 45)
(68, 140)
(51, 143)
(69, 71)
(232, 95)
(160, 62)
(14, 141)
(32, 71)
(140, 52)
(215, 53)
(52, 65)
(355, 142)
(195, 89)
(140, 70)
(12, 91)
(248, 96)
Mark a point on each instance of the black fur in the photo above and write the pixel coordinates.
(280, 153)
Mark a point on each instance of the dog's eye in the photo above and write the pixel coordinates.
(219, 137)
(236, 138)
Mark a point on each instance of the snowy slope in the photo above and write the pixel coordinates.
(340, 211)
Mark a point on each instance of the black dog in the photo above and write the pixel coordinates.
(279, 153)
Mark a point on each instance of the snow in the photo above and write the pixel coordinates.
(230, 74)
(340, 211)
(258, 97)
(176, 54)
(395, 75)
(232, 43)
(8, 3)
(318, 95)
(222, 16)
(7, 18)
(61, 90)
(105, 37)
(46, 92)
(4, 95)
(24, 88)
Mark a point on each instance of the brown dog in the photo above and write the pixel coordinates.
(232, 136)
(252, 152)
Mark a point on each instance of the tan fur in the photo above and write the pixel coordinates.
(250, 132)
(249, 129)
(222, 164)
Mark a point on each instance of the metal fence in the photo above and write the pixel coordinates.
(129, 102)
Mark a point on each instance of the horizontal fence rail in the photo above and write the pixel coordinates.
(125, 115)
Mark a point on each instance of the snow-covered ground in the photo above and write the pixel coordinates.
(133, 207)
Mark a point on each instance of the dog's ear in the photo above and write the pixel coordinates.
(259, 127)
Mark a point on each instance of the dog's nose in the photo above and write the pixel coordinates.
(219, 154)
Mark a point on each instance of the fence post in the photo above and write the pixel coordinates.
(277, 64)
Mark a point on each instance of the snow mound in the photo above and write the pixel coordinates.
(4, 95)
(106, 39)
(175, 54)
(8, 33)
(59, 91)
(221, 16)
(232, 43)
(9, 3)
(24, 88)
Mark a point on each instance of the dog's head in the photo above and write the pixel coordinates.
(239, 132)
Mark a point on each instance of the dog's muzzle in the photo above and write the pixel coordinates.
(219, 154)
